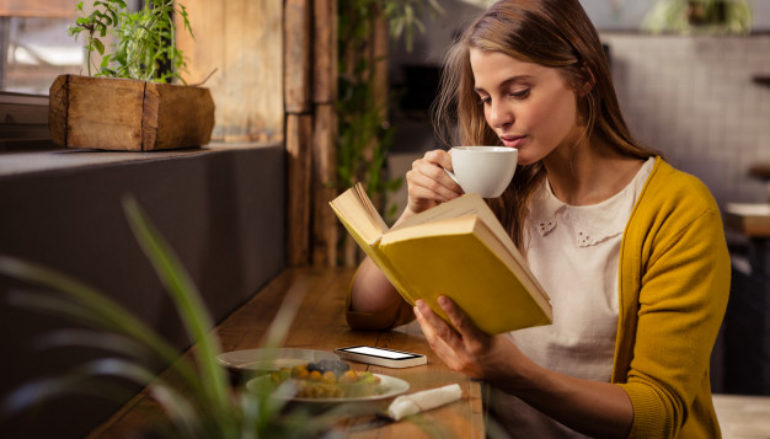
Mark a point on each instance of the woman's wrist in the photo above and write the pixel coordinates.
(510, 370)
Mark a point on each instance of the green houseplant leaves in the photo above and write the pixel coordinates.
(144, 47)
(197, 400)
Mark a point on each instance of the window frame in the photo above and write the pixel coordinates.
(24, 122)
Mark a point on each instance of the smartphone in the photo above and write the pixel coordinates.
(381, 356)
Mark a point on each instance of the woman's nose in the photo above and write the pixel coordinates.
(499, 115)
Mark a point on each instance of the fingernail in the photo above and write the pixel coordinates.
(417, 312)
(443, 301)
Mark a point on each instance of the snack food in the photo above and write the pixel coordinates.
(329, 379)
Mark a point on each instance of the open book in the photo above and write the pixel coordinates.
(458, 249)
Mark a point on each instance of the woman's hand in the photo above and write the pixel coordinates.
(428, 185)
(592, 407)
(465, 349)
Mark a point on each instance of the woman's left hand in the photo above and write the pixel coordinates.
(465, 349)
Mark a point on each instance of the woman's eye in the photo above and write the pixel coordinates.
(484, 100)
(520, 93)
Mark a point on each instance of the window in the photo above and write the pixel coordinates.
(34, 50)
(34, 45)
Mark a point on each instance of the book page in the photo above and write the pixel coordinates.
(356, 209)
(468, 204)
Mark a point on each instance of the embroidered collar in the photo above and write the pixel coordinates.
(591, 224)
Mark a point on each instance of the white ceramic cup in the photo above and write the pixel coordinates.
(486, 170)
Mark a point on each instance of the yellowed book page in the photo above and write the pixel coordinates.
(356, 212)
(464, 205)
(367, 202)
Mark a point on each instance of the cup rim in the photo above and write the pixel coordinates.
(486, 148)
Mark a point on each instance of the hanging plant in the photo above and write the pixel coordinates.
(700, 17)
(365, 136)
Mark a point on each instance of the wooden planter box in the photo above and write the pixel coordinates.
(128, 115)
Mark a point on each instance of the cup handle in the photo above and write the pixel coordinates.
(451, 175)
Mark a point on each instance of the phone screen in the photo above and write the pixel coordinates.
(382, 353)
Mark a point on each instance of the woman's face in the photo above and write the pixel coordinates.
(529, 106)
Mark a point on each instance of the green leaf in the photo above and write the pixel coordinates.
(98, 45)
(106, 341)
(83, 303)
(188, 301)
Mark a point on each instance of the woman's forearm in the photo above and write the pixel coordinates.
(372, 291)
(594, 408)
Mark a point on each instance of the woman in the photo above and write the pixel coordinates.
(630, 250)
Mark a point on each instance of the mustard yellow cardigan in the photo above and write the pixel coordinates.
(674, 283)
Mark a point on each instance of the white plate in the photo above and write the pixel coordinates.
(272, 359)
(393, 386)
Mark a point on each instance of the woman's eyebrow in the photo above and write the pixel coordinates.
(506, 83)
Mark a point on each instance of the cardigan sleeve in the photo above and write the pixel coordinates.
(683, 296)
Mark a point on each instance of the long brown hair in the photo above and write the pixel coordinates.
(552, 33)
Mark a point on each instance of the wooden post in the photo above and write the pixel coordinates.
(380, 61)
(299, 128)
(325, 227)
(297, 55)
(242, 40)
(324, 51)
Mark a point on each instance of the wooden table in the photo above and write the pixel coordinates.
(320, 324)
(753, 222)
(743, 416)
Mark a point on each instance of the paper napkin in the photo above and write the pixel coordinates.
(407, 405)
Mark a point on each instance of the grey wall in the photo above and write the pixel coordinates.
(693, 98)
(221, 211)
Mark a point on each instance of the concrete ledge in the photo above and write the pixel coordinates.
(222, 209)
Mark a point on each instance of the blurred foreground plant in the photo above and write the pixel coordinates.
(197, 400)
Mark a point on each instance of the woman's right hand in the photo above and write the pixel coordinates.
(427, 183)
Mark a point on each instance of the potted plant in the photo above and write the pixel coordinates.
(700, 16)
(129, 102)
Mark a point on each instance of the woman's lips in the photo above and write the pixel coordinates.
(513, 141)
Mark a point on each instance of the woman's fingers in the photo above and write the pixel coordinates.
(475, 340)
(440, 158)
(434, 330)
(459, 319)
(439, 327)
(433, 165)
(447, 343)
(425, 186)
(428, 183)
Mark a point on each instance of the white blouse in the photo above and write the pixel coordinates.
(574, 251)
